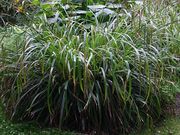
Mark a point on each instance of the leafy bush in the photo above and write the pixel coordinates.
(14, 11)
(98, 78)
(6, 6)
(6, 10)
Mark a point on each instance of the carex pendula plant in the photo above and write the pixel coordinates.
(99, 79)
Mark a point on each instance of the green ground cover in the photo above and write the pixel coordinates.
(169, 126)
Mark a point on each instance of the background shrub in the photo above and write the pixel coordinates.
(7, 11)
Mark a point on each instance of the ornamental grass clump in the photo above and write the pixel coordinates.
(98, 79)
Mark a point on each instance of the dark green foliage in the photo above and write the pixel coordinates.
(7, 11)
(100, 78)
(9, 128)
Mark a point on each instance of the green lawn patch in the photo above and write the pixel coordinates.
(170, 126)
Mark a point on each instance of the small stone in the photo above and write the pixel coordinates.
(114, 6)
(96, 8)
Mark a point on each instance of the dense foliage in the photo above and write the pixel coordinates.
(103, 77)
(6, 11)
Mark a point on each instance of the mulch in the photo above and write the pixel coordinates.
(173, 109)
(177, 105)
